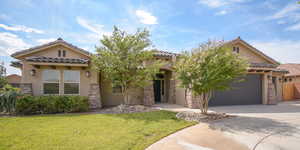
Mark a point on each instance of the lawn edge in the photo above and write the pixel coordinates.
(194, 123)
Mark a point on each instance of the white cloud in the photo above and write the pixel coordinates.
(285, 51)
(146, 17)
(281, 22)
(93, 27)
(221, 13)
(219, 3)
(4, 17)
(213, 3)
(10, 43)
(21, 28)
(295, 27)
(287, 11)
(43, 41)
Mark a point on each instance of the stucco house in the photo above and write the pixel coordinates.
(13, 80)
(61, 68)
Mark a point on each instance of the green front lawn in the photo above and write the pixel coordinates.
(88, 131)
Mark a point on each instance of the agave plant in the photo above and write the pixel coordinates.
(8, 98)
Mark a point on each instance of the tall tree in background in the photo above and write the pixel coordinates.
(2, 75)
(124, 59)
(212, 66)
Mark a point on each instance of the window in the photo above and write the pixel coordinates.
(51, 81)
(64, 53)
(59, 53)
(236, 49)
(71, 82)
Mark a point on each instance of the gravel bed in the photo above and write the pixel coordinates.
(198, 117)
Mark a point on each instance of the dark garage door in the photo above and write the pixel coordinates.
(242, 93)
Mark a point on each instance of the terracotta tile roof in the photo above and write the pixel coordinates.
(294, 69)
(59, 40)
(57, 60)
(164, 53)
(16, 64)
(262, 65)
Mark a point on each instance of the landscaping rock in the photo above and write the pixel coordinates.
(126, 109)
(198, 117)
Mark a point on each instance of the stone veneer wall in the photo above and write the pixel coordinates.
(26, 88)
(149, 95)
(172, 92)
(192, 101)
(94, 96)
(272, 98)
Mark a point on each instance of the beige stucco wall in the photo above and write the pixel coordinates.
(110, 99)
(53, 52)
(37, 79)
(248, 54)
(180, 96)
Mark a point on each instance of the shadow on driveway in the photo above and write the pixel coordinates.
(253, 125)
(284, 107)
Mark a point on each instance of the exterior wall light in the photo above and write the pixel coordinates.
(32, 72)
(87, 73)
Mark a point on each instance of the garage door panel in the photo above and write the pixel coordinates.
(246, 92)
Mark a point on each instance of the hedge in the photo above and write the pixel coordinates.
(51, 104)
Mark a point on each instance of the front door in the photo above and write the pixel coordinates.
(157, 90)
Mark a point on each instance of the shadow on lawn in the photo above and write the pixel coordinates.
(153, 116)
(253, 125)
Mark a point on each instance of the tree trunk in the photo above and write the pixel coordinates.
(125, 95)
(204, 99)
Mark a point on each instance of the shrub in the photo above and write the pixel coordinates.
(51, 104)
(8, 97)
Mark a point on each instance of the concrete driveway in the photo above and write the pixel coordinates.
(262, 127)
(256, 127)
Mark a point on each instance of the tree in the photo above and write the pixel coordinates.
(212, 66)
(8, 98)
(2, 81)
(124, 59)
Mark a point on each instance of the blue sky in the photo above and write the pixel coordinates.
(272, 26)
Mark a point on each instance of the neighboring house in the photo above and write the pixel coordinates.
(13, 80)
(291, 86)
(62, 68)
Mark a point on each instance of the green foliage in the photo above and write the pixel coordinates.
(212, 66)
(8, 98)
(123, 59)
(51, 104)
(2, 81)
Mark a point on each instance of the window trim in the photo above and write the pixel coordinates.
(64, 53)
(59, 81)
(236, 49)
(63, 82)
